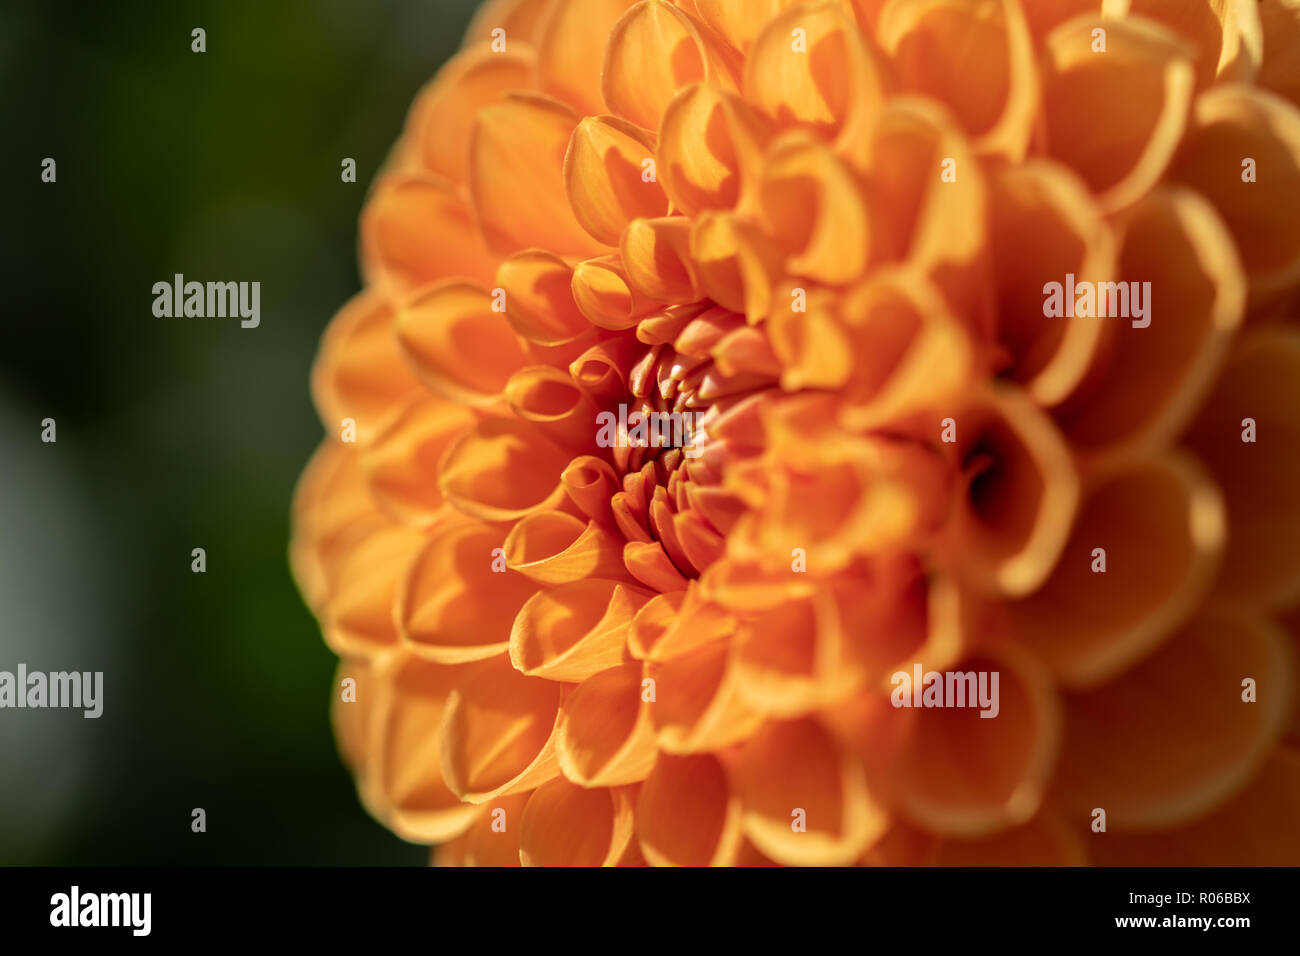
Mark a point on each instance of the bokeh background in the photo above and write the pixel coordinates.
(180, 433)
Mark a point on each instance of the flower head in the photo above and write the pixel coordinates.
(826, 236)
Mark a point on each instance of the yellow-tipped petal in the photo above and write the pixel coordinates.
(359, 372)
(1161, 526)
(655, 50)
(407, 452)
(1188, 697)
(710, 149)
(976, 58)
(571, 48)
(539, 298)
(605, 736)
(453, 603)
(575, 629)
(553, 547)
(697, 705)
(961, 773)
(1018, 497)
(497, 735)
(567, 825)
(443, 114)
(460, 347)
(607, 178)
(403, 780)
(1043, 225)
(1153, 377)
(501, 470)
(656, 255)
(517, 149)
(805, 801)
(1116, 117)
(815, 209)
(686, 814)
(823, 80)
(415, 230)
(1230, 124)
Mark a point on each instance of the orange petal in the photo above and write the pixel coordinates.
(555, 405)
(492, 839)
(686, 814)
(656, 255)
(674, 623)
(517, 149)
(460, 346)
(1226, 34)
(736, 264)
(654, 51)
(443, 114)
(1254, 828)
(697, 705)
(363, 574)
(780, 657)
(976, 58)
(914, 214)
(571, 49)
(602, 292)
(649, 563)
(402, 458)
(805, 801)
(415, 230)
(454, 604)
(539, 298)
(331, 495)
(605, 736)
(590, 483)
(1044, 225)
(522, 20)
(1162, 526)
(1018, 498)
(351, 717)
(359, 372)
(1116, 117)
(575, 629)
(813, 205)
(910, 354)
(1280, 72)
(1187, 696)
(553, 547)
(501, 470)
(403, 783)
(606, 177)
(962, 773)
(497, 735)
(1259, 479)
(1153, 378)
(710, 149)
(567, 825)
(1228, 125)
(824, 80)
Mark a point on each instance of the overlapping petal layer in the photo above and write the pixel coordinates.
(818, 238)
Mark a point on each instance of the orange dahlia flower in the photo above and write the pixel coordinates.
(823, 234)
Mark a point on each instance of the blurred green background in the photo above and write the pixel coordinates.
(180, 433)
